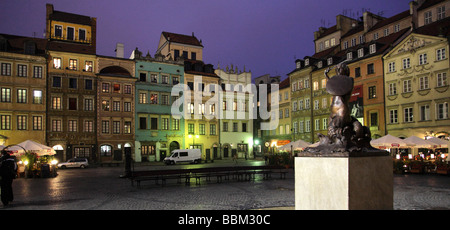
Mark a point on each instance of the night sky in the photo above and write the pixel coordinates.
(265, 36)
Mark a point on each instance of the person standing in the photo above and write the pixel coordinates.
(8, 169)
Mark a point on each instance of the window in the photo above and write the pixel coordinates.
(142, 77)
(116, 88)
(372, 92)
(374, 119)
(165, 79)
(324, 123)
(88, 84)
(72, 83)
(396, 28)
(406, 63)
(316, 104)
(212, 129)
(70, 33)
(441, 79)
(6, 122)
(21, 122)
(21, 70)
(423, 83)
(408, 114)
(345, 45)
(440, 12)
(393, 116)
(56, 103)
(105, 105)
(225, 126)
(154, 98)
(191, 128)
(116, 127)
(73, 63)
(148, 150)
(324, 103)
(307, 103)
(6, 95)
(440, 54)
(175, 80)
(370, 68)
(316, 85)
(330, 61)
(308, 126)
(88, 104)
(154, 78)
(391, 67)
(392, 89)
(386, 32)
(357, 72)
(375, 36)
(105, 126)
(21, 96)
(300, 105)
(127, 89)
(428, 17)
(142, 123)
(72, 126)
(164, 99)
(360, 53)
(286, 112)
(82, 35)
(349, 56)
(333, 41)
(88, 66)
(105, 150)
(294, 106)
(154, 123)
(89, 126)
(116, 106)
(235, 126)
(142, 98)
(165, 124)
(317, 124)
(57, 82)
(57, 63)
(37, 96)
(185, 54)
(353, 42)
(424, 112)
(37, 123)
(422, 59)
(175, 124)
(442, 110)
(72, 103)
(56, 126)
(407, 86)
(301, 126)
(58, 31)
(127, 106)
(6, 69)
(127, 127)
(201, 129)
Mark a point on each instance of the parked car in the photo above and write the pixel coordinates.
(74, 163)
(184, 155)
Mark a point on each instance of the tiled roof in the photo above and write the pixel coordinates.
(441, 27)
(183, 39)
(16, 44)
(390, 20)
(69, 17)
(429, 3)
(71, 47)
(284, 84)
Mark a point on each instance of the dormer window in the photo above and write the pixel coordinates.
(330, 61)
(298, 65)
(58, 31)
(373, 48)
(349, 56)
(307, 62)
(360, 53)
(319, 64)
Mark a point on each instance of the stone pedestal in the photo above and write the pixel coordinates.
(343, 183)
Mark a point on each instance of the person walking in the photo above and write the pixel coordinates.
(8, 170)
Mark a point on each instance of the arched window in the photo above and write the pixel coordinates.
(105, 150)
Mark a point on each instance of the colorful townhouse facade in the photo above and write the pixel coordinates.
(157, 132)
(23, 89)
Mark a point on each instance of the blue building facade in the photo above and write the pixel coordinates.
(157, 132)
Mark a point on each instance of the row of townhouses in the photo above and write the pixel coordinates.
(400, 67)
(59, 92)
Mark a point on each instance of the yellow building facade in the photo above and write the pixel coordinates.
(416, 86)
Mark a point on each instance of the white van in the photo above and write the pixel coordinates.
(184, 155)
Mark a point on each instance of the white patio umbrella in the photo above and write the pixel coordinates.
(296, 145)
(28, 145)
(440, 142)
(418, 142)
(389, 141)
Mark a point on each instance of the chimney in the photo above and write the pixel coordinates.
(119, 50)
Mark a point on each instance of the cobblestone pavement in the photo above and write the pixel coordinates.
(99, 188)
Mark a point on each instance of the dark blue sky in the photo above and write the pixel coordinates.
(264, 35)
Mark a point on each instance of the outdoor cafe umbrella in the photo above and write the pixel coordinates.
(439, 142)
(29, 145)
(296, 145)
(388, 141)
(418, 142)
